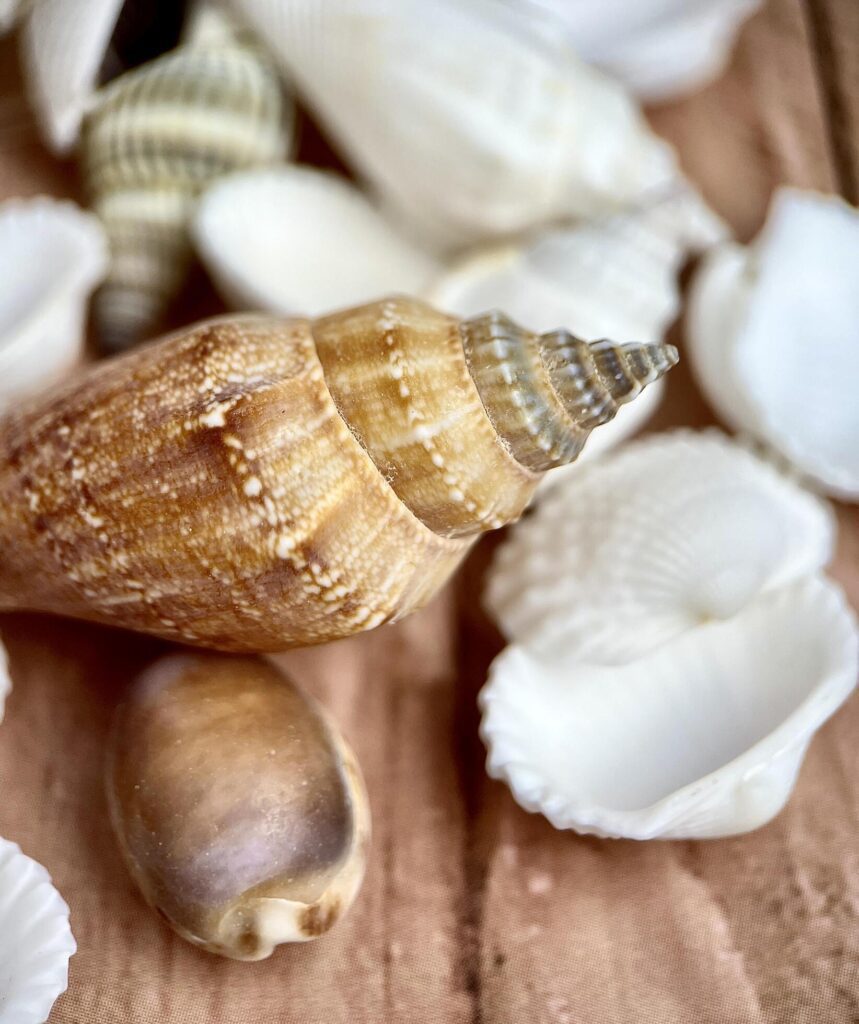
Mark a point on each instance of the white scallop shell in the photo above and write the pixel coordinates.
(52, 255)
(702, 737)
(297, 240)
(672, 531)
(614, 277)
(5, 680)
(774, 341)
(657, 48)
(63, 43)
(35, 939)
(470, 119)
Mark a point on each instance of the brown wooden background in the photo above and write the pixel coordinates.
(474, 911)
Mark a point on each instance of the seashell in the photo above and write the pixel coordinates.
(5, 680)
(254, 483)
(701, 737)
(52, 255)
(474, 122)
(35, 939)
(772, 334)
(658, 48)
(297, 240)
(63, 43)
(160, 134)
(672, 531)
(613, 277)
(240, 810)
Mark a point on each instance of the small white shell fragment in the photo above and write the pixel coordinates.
(5, 680)
(672, 531)
(296, 240)
(470, 119)
(614, 277)
(774, 341)
(657, 48)
(35, 939)
(52, 255)
(702, 737)
(63, 43)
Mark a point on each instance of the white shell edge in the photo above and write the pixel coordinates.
(743, 794)
(36, 940)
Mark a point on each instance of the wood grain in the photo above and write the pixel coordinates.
(473, 911)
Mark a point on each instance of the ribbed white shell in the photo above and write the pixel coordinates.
(774, 340)
(702, 737)
(63, 43)
(672, 531)
(52, 255)
(471, 120)
(658, 48)
(296, 240)
(35, 939)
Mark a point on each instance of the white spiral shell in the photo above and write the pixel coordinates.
(470, 122)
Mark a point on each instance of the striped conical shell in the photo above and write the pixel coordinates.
(256, 483)
(159, 135)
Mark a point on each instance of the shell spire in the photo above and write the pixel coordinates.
(545, 393)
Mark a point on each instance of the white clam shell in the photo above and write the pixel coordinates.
(773, 336)
(63, 43)
(702, 737)
(296, 240)
(673, 530)
(52, 255)
(658, 48)
(35, 939)
(614, 277)
(470, 119)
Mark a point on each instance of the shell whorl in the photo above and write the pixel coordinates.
(158, 136)
(545, 393)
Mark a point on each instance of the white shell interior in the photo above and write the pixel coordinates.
(773, 336)
(63, 43)
(35, 939)
(701, 737)
(658, 48)
(466, 119)
(52, 255)
(298, 240)
(672, 531)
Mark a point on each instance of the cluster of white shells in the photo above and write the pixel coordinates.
(675, 643)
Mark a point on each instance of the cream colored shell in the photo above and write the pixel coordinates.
(239, 808)
(157, 137)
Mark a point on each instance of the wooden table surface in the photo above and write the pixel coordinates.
(474, 911)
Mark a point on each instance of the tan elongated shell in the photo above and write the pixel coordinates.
(256, 483)
(159, 135)
(239, 809)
